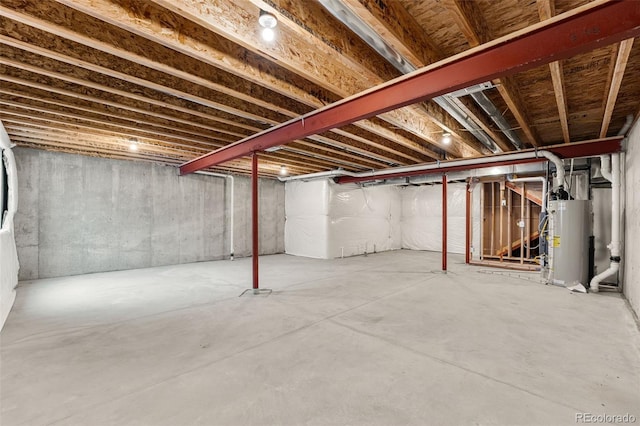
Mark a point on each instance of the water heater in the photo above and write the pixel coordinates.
(568, 241)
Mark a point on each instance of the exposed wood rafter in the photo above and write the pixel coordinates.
(624, 49)
(140, 52)
(546, 10)
(469, 19)
(341, 73)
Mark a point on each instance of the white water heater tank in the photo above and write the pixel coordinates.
(569, 230)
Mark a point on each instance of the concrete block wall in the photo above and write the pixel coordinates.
(80, 214)
(631, 253)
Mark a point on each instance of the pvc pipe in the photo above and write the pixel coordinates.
(420, 167)
(231, 207)
(614, 246)
(605, 167)
(318, 175)
(438, 165)
(559, 179)
(535, 179)
(626, 126)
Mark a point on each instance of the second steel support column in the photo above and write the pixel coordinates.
(467, 228)
(254, 218)
(444, 223)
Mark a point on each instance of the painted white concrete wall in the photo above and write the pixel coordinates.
(79, 214)
(631, 258)
(9, 265)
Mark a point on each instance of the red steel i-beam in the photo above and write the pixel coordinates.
(467, 229)
(583, 29)
(254, 218)
(444, 223)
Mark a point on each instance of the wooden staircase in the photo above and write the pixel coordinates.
(535, 196)
(516, 244)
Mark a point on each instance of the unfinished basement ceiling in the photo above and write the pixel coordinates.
(180, 78)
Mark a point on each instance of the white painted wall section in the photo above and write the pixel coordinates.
(631, 252)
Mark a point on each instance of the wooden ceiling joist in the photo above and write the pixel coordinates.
(469, 19)
(184, 77)
(107, 91)
(378, 131)
(88, 136)
(105, 112)
(339, 158)
(624, 49)
(401, 31)
(128, 19)
(203, 52)
(519, 51)
(302, 161)
(546, 10)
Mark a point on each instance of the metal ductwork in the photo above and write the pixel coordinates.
(352, 21)
(488, 107)
(465, 121)
(345, 15)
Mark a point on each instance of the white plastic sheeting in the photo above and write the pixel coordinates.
(363, 220)
(422, 217)
(306, 228)
(475, 221)
(8, 255)
(325, 220)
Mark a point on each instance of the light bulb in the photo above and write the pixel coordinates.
(446, 138)
(283, 170)
(268, 34)
(133, 146)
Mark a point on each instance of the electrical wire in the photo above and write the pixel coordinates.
(540, 234)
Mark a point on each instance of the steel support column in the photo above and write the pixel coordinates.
(254, 219)
(444, 223)
(583, 29)
(467, 244)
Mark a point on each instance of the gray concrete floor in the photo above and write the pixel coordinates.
(377, 340)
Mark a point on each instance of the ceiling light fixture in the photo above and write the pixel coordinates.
(268, 22)
(446, 138)
(283, 171)
(268, 34)
(133, 145)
